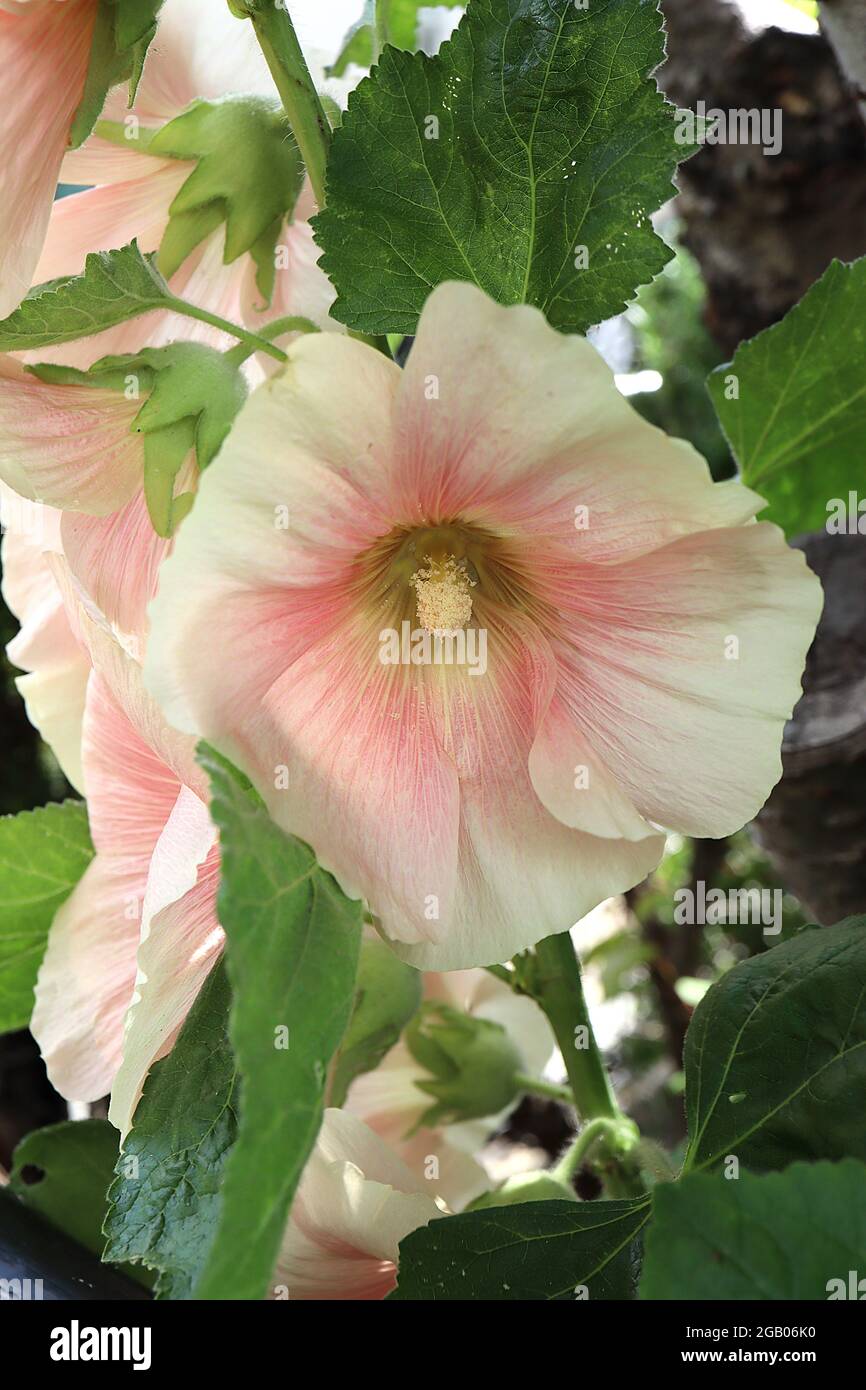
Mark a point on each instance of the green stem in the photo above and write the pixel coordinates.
(293, 323)
(560, 993)
(572, 1159)
(256, 344)
(301, 103)
(534, 1086)
(119, 134)
(558, 988)
(279, 44)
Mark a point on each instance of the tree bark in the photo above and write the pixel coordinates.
(813, 827)
(764, 227)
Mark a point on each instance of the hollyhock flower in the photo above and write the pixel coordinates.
(44, 55)
(201, 51)
(71, 448)
(390, 1102)
(130, 948)
(355, 1203)
(502, 487)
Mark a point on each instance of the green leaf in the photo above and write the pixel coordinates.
(113, 287)
(401, 31)
(293, 942)
(775, 1057)
(387, 995)
(248, 173)
(783, 1236)
(63, 1173)
(43, 854)
(122, 35)
(164, 1202)
(798, 423)
(532, 1251)
(553, 148)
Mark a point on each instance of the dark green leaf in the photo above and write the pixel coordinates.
(775, 1057)
(526, 157)
(164, 1202)
(792, 1235)
(43, 854)
(293, 942)
(113, 287)
(535, 1250)
(798, 423)
(122, 34)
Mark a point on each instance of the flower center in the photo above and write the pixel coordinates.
(442, 591)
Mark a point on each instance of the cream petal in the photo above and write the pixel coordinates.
(507, 423)
(355, 1203)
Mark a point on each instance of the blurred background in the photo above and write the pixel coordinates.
(751, 233)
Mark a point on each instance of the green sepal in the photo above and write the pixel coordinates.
(122, 33)
(472, 1062)
(193, 393)
(248, 174)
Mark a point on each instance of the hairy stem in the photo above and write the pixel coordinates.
(254, 342)
(558, 988)
(535, 1086)
(279, 44)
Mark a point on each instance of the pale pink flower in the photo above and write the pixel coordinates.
(389, 1101)
(71, 447)
(130, 948)
(355, 1203)
(44, 54)
(476, 812)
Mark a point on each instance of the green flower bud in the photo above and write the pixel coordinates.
(472, 1064)
(527, 1187)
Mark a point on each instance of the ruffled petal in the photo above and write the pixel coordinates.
(180, 941)
(507, 423)
(681, 671)
(86, 979)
